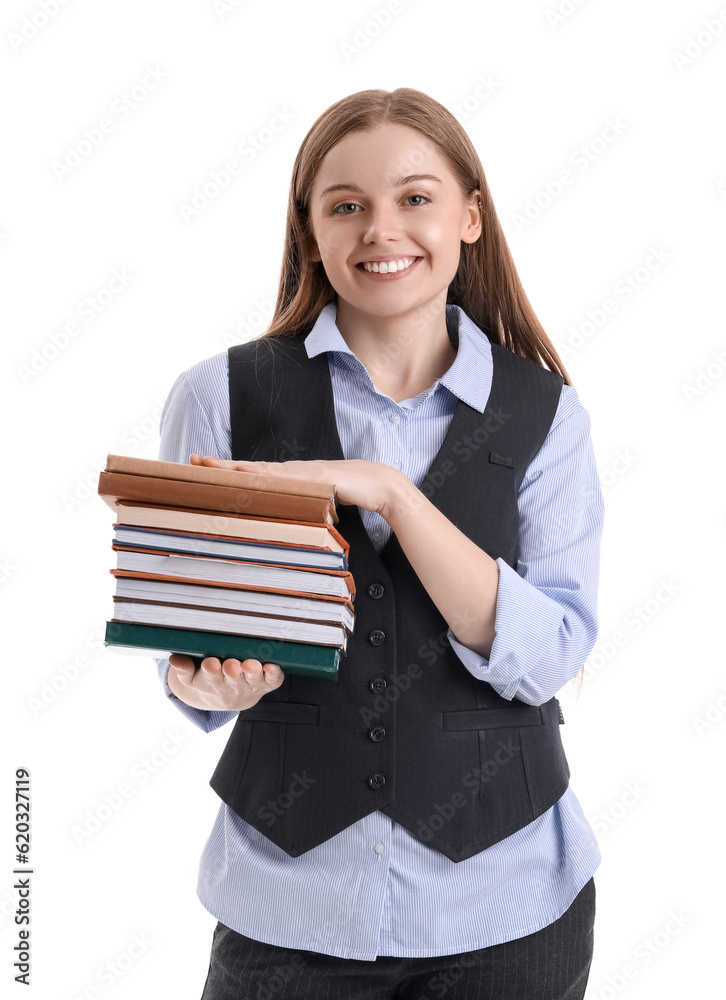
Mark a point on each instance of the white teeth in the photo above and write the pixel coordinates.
(390, 266)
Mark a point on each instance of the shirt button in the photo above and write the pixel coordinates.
(377, 684)
(375, 590)
(377, 733)
(380, 848)
(376, 637)
(395, 418)
(377, 780)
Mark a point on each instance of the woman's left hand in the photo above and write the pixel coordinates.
(368, 484)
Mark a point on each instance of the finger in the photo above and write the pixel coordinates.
(232, 668)
(196, 459)
(211, 665)
(252, 667)
(181, 660)
(272, 673)
(183, 667)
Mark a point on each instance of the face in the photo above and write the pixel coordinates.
(370, 201)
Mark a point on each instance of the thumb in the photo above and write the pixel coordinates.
(183, 667)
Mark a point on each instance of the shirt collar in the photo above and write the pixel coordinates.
(470, 375)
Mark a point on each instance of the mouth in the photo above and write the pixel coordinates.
(379, 270)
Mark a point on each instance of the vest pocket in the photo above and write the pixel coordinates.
(283, 711)
(500, 777)
(492, 718)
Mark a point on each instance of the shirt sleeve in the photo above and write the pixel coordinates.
(195, 418)
(546, 612)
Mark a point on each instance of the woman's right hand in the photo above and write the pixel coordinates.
(231, 686)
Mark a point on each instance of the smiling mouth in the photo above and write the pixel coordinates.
(387, 267)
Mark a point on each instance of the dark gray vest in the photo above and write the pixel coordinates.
(406, 729)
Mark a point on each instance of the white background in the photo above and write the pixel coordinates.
(84, 726)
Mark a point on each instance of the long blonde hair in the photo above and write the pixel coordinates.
(486, 285)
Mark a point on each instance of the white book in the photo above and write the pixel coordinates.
(282, 605)
(215, 570)
(231, 548)
(175, 616)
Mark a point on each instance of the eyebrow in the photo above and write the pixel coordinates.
(397, 182)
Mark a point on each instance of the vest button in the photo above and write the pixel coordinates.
(375, 590)
(377, 684)
(377, 780)
(376, 636)
(377, 733)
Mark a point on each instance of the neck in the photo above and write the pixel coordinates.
(404, 354)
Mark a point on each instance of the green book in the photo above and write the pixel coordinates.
(292, 657)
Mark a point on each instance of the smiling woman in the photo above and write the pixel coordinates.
(427, 791)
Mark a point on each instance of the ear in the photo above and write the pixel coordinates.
(475, 218)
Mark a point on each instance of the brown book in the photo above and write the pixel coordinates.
(156, 469)
(114, 487)
(271, 530)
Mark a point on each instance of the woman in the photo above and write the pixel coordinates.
(404, 364)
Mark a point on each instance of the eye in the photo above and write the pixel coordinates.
(352, 204)
(346, 204)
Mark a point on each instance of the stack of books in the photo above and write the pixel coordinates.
(216, 562)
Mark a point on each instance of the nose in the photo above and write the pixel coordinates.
(381, 224)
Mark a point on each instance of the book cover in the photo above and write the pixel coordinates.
(291, 657)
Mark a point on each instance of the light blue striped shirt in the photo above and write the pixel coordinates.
(374, 889)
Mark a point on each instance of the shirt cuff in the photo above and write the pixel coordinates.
(527, 624)
(207, 721)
